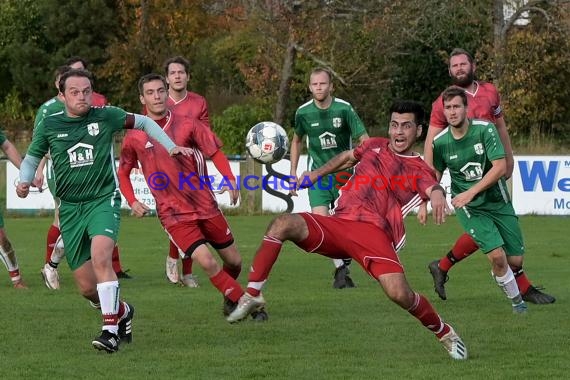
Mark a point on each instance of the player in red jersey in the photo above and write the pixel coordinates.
(483, 102)
(188, 104)
(185, 203)
(371, 211)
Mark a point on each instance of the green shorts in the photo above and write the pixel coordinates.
(324, 192)
(80, 222)
(493, 229)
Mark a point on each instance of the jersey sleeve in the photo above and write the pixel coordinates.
(116, 116)
(375, 142)
(204, 139)
(39, 145)
(493, 145)
(299, 125)
(39, 116)
(496, 108)
(437, 118)
(356, 125)
(425, 179)
(128, 159)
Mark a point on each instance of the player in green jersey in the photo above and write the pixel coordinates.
(80, 142)
(472, 151)
(329, 124)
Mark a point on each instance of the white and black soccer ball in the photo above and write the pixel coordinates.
(267, 142)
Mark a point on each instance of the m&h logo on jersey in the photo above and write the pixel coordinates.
(479, 148)
(337, 122)
(80, 155)
(93, 129)
(328, 140)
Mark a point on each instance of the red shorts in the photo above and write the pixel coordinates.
(187, 235)
(342, 239)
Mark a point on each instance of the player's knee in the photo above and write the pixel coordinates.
(286, 227)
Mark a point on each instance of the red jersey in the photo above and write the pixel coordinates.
(179, 184)
(384, 188)
(98, 100)
(484, 103)
(192, 105)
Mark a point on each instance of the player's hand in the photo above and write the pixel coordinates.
(39, 182)
(139, 209)
(233, 190)
(439, 207)
(181, 150)
(422, 213)
(293, 181)
(462, 199)
(306, 179)
(23, 189)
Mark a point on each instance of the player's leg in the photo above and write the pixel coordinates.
(320, 199)
(54, 246)
(463, 247)
(117, 266)
(509, 228)
(188, 235)
(483, 228)
(172, 264)
(188, 278)
(292, 227)
(397, 289)
(8, 257)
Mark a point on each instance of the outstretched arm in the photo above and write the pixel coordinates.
(339, 162)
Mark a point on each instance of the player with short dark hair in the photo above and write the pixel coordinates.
(184, 103)
(187, 210)
(484, 103)
(367, 223)
(472, 151)
(80, 142)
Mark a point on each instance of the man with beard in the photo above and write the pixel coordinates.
(483, 102)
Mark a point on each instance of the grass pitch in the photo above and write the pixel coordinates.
(314, 331)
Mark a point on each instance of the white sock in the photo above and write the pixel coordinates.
(338, 263)
(109, 299)
(58, 251)
(8, 257)
(509, 285)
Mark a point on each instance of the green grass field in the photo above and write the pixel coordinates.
(314, 331)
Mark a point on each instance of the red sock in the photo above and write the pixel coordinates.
(427, 315)
(14, 275)
(186, 266)
(116, 260)
(228, 286)
(173, 252)
(265, 257)
(52, 235)
(122, 310)
(464, 246)
(233, 271)
(521, 279)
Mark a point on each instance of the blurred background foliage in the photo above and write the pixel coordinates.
(251, 58)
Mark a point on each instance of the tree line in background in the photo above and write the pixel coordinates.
(251, 58)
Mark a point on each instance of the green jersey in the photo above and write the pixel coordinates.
(469, 159)
(329, 131)
(54, 105)
(81, 149)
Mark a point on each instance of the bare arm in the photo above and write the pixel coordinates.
(12, 153)
(339, 162)
(492, 177)
(428, 145)
(294, 157)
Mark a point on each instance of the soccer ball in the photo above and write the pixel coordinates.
(266, 142)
